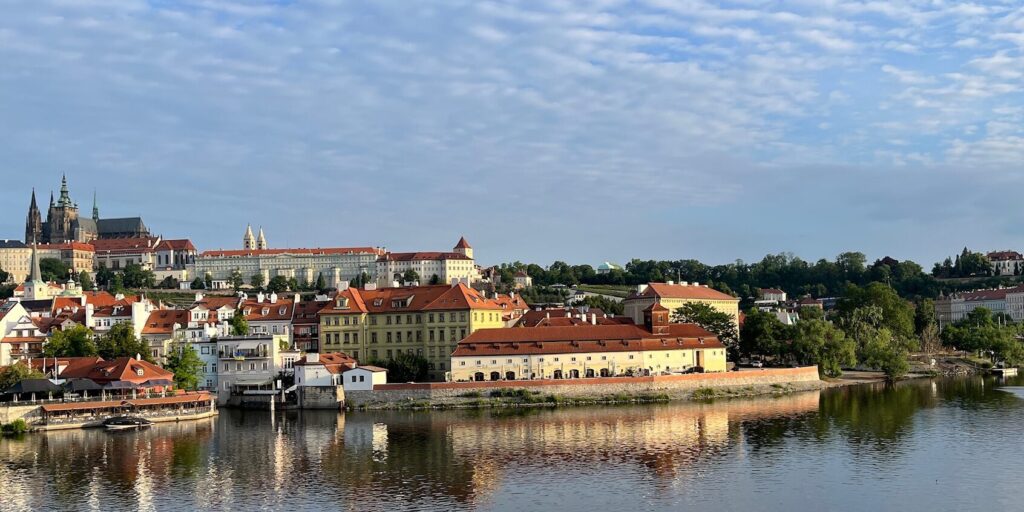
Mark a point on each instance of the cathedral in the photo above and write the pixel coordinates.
(63, 223)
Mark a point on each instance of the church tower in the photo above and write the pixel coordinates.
(95, 209)
(248, 241)
(34, 223)
(464, 248)
(261, 241)
(35, 288)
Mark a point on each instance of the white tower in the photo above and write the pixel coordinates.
(248, 241)
(261, 242)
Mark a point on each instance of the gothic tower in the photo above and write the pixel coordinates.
(261, 240)
(95, 208)
(34, 223)
(248, 241)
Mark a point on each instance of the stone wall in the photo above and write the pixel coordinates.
(320, 397)
(675, 386)
(9, 413)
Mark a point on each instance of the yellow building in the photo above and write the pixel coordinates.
(77, 256)
(586, 351)
(15, 259)
(674, 295)
(378, 324)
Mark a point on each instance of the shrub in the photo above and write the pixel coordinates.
(704, 394)
(15, 427)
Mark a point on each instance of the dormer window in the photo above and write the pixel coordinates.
(343, 302)
(139, 372)
(266, 311)
(281, 310)
(378, 302)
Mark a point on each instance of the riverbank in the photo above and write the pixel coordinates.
(549, 392)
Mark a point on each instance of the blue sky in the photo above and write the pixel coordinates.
(581, 131)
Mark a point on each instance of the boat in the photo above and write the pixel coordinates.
(125, 423)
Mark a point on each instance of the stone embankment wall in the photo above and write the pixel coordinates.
(9, 413)
(675, 386)
(320, 397)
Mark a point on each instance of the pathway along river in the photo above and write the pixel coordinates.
(952, 444)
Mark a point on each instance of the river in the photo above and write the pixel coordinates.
(948, 444)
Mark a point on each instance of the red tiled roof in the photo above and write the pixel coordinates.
(411, 299)
(122, 368)
(333, 362)
(162, 321)
(421, 256)
(270, 252)
(266, 312)
(679, 291)
(176, 245)
(463, 244)
(77, 246)
(124, 245)
(583, 338)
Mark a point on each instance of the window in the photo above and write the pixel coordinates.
(389, 337)
(431, 333)
(252, 367)
(362, 378)
(373, 337)
(462, 363)
(588, 358)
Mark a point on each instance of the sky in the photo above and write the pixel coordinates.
(540, 130)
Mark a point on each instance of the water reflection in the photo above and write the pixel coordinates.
(665, 455)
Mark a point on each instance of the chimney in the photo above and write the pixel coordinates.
(684, 283)
(260, 297)
(547, 315)
(640, 288)
(593, 318)
(696, 283)
(313, 357)
(298, 298)
(273, 297)
(671, 282)
(199, 296)
(81, 300)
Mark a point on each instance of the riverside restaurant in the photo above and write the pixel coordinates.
(88, 413)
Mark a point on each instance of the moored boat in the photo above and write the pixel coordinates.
(125, 423)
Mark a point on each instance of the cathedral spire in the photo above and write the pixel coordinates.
(65, 198)
(32, 207)
(51, 198)
(95, 208)
(248, 241)
(34, 222)
(261, 241)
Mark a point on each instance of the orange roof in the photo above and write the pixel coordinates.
(162, 321)
(271, 252)
(124, 245)
(217, 302)
(681, 291)
(266, 311)
(420, 256)
(411, 299)
(463, 244)
(333, 362)
(78, 246)
(583, 338)
(176, 245)
(122, 368)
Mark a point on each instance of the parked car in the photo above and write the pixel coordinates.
(695, 369)
(757, 363)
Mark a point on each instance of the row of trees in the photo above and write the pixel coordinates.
(79, 341)
(988, 334)
(797, 277)
(966, 264)
(872, 327)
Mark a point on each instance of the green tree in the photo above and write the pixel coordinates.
(896, 313)
(236, 279)
(186, 364)
(117, 284)
(84, 281)
(169, 283)
(410, 276)
(208, 281)
(15, 373)
(4, 276)
(76, 341)
(256, 281)
(405, 367)
(820, 342)
(53, 269)
(120, 341)
(104, 275)
(603, 303)
(723, 325)
(321, 283)
(764, 334)
(436, 279)
(198, 284)
(277, 284)
(134, 276)
(293, 284)
(239, 325)
(360, 280)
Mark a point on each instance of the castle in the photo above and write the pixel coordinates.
(63, 223)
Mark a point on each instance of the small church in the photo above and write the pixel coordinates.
(64, 224)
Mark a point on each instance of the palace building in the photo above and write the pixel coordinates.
(64, 223)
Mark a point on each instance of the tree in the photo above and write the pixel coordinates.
(293, 284)
(603, 303)
(820, 342)
(53, 269)
(896, 313)
(104, 275)
(876, 344)
(277, 284)
(134, 276)
(764, 334)
(4, 276)
(436, 279)
(239, 325)
(208, 281)
(723, 325)
(117, 284)
(236, 279)
(360, 280)
(405, 367)
(256, 281)
(321, 283)
(120, 341)
(410, 276)
(169, 283)
(186, 364)
(15, 373)
(198, 284)
(84, 282)
(76, 341)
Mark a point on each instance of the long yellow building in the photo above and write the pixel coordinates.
(428, 321)
(674, 295)
(587, 351)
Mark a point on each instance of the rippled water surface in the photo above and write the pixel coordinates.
(921, 445)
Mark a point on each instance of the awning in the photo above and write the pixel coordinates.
(33, 386)
(82, 406)
(249, 345)
(252, 382)
(168, 400)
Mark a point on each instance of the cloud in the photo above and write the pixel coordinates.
(536, 129)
